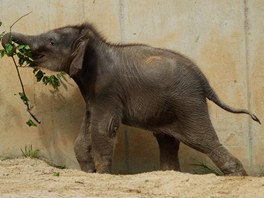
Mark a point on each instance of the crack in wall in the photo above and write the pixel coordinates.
(122, 19)
(247, 34)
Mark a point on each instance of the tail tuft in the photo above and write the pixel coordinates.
(211, 95)
(255, 118)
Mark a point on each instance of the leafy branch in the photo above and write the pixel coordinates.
(24, 55)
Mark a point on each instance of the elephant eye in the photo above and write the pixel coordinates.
(52, 43)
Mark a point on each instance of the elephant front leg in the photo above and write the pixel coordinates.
(102, 152)
(83, 146)
(103, 140)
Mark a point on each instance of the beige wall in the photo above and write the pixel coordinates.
(225, 38)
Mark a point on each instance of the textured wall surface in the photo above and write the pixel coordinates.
(225, 38)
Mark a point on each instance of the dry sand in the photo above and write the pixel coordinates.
(34, 178)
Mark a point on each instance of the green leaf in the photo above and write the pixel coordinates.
(25, 50)
(23, 47)
(21, 58)
(51, 80)
(39, 75)
(27, 61)
(54, 81)
(1, 23)
(35, 70)
(45, 80)
(30, 123)
(2, 53)
(9, 49)
(60, 75)
(23, 97)
(27, 47)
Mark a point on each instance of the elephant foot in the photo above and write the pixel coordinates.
(242, 173)
(102, 168)
(170, 166)
(87, 167)
(227, 163)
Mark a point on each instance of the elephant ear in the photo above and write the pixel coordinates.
(77, 58)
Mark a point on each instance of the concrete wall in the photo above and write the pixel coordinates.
(225, 38)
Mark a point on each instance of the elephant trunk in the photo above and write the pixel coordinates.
(5, 39)
(18, 38)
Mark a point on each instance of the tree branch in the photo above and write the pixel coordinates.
(18, 74)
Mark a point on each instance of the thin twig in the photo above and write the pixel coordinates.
(18, 20)
(23, 90)
(34, 117)
(20, 80)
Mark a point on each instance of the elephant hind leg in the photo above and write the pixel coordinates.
(196, 131)
(222, 158)
(168, 147)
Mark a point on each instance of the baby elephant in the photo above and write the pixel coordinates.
(137, 85)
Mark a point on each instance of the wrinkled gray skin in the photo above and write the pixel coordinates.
(137, 85)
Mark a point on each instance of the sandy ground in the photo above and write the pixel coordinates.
(34, 178)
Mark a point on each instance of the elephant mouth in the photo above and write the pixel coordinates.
(37, 59)
(38, 56)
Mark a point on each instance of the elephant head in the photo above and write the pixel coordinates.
(60, 49)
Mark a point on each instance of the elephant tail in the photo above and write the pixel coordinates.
(211, 95)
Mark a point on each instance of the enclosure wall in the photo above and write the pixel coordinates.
(225, 39)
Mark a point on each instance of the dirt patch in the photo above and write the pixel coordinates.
(34, 178)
